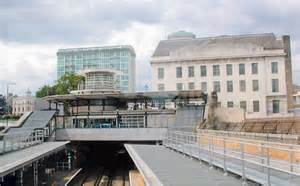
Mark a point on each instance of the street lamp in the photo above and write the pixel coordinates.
(7, 89)
(7, 95)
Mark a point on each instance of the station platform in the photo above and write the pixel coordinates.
(13, 161)
(162, 166)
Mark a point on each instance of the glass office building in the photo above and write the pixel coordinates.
(119, 58)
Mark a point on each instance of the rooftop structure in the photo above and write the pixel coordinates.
(97, 80)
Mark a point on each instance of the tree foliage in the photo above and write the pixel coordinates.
(64, 85)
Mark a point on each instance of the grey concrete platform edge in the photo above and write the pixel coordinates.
(13, 161)
(149, 177)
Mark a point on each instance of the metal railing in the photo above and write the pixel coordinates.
(19, 140)
(63, 166)
(266, 163)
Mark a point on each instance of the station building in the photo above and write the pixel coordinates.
(252, 72)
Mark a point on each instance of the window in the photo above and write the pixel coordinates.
(229, 69)
(242, 69)
(160, 73)
(230, 104)
(191, 71)
(274, 67)
(254, 68)
(243, 105)
(161, 87)
(242, 86)
(203, 71)
(191, 86)
(216, 70)
(229, 86)
(178, 72)
(275, 85)
(217, 87)
(204, 86)
(255, 85)
(276, 106)
(179, 86)
(255, 106)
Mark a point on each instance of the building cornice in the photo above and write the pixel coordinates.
(206, 58)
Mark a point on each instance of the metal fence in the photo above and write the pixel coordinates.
(266, 163)
(19, 140)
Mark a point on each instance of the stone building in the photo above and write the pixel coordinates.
(248, 71)
(27, 103)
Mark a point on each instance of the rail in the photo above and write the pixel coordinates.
(267, 163)
(19, 140)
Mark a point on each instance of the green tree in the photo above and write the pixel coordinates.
(46, 90)
(68, 83)
(64, 85)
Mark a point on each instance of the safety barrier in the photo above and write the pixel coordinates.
(19, 140)
(267, 163)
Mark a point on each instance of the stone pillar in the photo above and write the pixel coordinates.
(210, 110)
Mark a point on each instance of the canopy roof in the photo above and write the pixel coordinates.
(195, 94)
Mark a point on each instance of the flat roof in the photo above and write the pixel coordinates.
(90, 49)
(129, 96)
(13, 161)
(162, 166)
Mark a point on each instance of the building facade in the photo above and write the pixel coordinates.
(119, 58)
(27, 103)
(252, 72)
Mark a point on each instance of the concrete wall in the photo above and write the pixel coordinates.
(121, 134)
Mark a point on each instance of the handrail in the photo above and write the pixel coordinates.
(20, 139)
(219, 147)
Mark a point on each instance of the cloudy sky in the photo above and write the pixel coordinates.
(32, 31)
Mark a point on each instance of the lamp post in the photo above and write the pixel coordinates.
(7, 93)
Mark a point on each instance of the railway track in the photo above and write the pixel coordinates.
(101, 177)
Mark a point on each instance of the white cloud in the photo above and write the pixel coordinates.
(34, 30)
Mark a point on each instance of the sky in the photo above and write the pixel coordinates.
(32, 31)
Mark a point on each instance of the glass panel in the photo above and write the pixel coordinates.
(160, 73)
(254, 68)
(229, 69)
(178, 72)
(203, 71)
(256, 106)
(229, 104)
(242, 69)
(217, 87)
(229, 86)
(191, 71)
(191, 86)
(275, 85)
(274, 67)
(204, 86)
(216, 70)
(243, 105)
(179, 86)
(276, 106)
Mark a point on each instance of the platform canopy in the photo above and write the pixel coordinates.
(156, 95)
